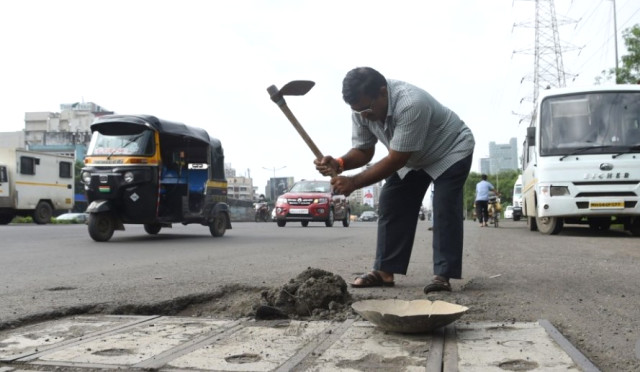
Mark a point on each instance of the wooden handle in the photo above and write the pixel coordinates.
(296, 124)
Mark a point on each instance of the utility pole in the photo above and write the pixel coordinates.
(274, 169)
(615, 36)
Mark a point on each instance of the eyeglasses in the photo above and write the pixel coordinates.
(365, 111)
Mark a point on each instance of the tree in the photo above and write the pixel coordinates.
(629, 72)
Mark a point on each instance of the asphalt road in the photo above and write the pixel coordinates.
(585, 283)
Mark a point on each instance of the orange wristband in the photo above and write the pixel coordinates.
(340, 165)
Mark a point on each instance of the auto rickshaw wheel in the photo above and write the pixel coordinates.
(42, 214)
(101, 226)
(219, 225)
(304, 223)
(152, 228)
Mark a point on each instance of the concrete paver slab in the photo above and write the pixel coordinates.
(24, 341)
(253, 348)
(498, 347)
(136, 344)
(364, 347)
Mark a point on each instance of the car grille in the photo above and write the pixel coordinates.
(300, 201)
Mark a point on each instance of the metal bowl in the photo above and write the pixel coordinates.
(418, 316)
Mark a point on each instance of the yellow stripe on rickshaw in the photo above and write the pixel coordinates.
(217, 184)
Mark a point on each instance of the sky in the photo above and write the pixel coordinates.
(208, 64)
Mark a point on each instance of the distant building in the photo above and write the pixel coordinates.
(240, 188)
(229, 171)
(369, 195)
(501, 157)
(485, 165)
(277, 186)
(67, 132)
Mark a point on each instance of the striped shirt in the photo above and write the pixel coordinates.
(416, 123)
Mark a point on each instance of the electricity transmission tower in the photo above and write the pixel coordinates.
(548, 71)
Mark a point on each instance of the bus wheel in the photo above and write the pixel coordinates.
(219, 225)
(549, 225)
(101, 226)
(152, 228)
(42, 214)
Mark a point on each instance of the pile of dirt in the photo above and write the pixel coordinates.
(314, 293)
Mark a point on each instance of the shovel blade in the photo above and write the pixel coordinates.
(297, 88)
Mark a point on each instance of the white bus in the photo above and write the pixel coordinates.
(581, 159)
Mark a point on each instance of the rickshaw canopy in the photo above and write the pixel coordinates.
(109, 123)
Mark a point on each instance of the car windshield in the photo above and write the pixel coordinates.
(311, 186)
(141, 143)
(590, 123)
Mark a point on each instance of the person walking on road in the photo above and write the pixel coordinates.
(482, 200)
(426, 142)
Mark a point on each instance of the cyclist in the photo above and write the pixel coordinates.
(482, 200)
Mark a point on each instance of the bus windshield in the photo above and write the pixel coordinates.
(590, 123)
(141, 144)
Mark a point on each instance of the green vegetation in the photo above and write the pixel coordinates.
(629, 72)
(502, 181)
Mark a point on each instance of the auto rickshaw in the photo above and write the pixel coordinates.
(143, 170)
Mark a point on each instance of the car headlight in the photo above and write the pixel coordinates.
(281, 201)
(321, 201)
(128, 177)
(86, 177)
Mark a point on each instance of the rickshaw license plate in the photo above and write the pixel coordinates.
(607, 205)
(299, 211)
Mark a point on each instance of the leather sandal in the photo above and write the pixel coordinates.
(438, 285)
(372, 279)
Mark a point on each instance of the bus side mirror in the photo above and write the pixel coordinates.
(531, 136)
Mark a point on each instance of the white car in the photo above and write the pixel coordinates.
(508, 213)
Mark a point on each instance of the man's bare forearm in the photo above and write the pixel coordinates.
(357, 158)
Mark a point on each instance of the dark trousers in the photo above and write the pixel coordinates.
(400, 201)
(482, 210)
